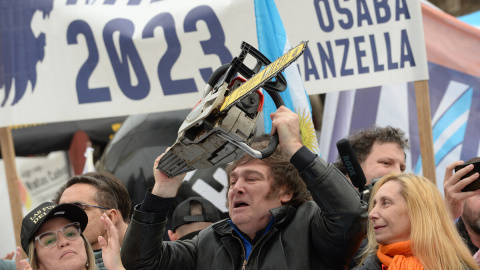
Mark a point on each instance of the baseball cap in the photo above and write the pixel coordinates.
(183, 215)
(32, 222)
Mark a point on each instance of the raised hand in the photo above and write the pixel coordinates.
(164, 186)
(111, 246)
(9, 256)
(286, 124)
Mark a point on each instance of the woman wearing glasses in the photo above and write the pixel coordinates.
(52, 238)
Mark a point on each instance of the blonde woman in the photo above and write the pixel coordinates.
(410, 228)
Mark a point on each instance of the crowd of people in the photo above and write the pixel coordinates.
(291, 210)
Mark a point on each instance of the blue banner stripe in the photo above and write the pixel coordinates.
(365, 116)
(456, 110)
(473, 125)
(450, 144)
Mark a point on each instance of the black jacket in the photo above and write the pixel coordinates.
(323, 234)
(466, 238)
(371, 263)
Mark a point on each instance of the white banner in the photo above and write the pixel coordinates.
(43, 176)
(71, 60)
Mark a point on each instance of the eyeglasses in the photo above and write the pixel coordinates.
(49, 239)
(82, 205)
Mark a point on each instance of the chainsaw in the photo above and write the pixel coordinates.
(221, 127)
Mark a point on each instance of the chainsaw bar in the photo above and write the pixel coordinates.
(264, 76)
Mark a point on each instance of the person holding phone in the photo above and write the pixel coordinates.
(464, 205)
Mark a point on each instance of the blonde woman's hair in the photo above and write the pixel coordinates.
(435, 240)
(32, 255)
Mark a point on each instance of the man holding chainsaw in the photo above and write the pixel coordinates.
(274, 223)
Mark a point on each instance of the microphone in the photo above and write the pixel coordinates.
(350, 161)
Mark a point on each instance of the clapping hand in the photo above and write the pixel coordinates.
(19, 263)
(110, 246)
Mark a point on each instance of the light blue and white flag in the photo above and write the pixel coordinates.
(273, 43)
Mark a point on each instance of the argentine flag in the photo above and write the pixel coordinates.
(273, 43)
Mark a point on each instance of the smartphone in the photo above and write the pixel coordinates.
(475, 184)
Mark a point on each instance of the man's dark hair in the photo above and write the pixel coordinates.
(111, 193)
(283, 172)
(363, 140)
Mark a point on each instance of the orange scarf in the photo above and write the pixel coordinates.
(398, 256)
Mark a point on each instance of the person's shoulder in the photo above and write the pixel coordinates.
(7, 264)
(210, 236)
(221, 227)
(308, 206)
(99, 259)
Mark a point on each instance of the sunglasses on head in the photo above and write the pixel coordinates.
(49, 239)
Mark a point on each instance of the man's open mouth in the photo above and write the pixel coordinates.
(240, 204)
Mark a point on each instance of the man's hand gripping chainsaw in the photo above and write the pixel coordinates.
(220, 128)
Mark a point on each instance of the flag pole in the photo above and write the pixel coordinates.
(425, 129)
(8, 155)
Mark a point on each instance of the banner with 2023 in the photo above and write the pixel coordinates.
(71, 60)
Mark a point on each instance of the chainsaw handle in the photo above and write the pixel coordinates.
(277, 99)
(272, 145)
(214, 78)
(217, 74)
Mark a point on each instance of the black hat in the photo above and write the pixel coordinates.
(183, 215)
(45, 211)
